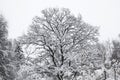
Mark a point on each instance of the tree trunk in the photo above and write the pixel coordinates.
(59, 77)
(115, 77)
(105, 77)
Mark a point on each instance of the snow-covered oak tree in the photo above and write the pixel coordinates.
(62, 42)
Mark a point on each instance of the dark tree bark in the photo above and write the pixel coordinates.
(115, 77)
(105, 77)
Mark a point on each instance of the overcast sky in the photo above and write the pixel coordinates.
(103, 13)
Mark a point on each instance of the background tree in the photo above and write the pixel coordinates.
(3, 33)
(9, 55)
(102, 60)
(3, 48)
(115, 58)
(61, 40)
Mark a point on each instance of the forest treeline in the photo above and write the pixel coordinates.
(58, 46)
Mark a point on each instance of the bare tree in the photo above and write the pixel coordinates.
(61, 41)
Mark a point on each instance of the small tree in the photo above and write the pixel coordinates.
(61, 40)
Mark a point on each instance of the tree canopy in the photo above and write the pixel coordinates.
(60, 39)
(58, 46)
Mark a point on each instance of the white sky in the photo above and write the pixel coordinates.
(103, 13)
